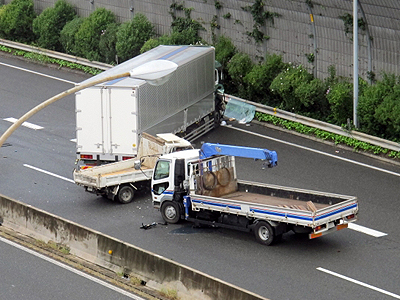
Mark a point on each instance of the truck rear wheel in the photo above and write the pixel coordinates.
(170, 212)
(264, 233)
(125, 194)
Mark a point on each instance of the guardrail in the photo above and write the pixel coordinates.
(259, 107)
(321, 125)
(55, 54)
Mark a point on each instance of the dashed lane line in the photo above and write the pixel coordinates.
(25, 124)
(48, 173)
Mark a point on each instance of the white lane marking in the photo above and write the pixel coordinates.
(73, 140)
(359, 228)
(48, 173)
(317, 151)
(37, 73)
(80, 273)
(359, 283)
(25, 124)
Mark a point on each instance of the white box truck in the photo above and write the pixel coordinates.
(111, 116)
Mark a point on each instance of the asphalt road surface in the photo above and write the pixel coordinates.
(28, 275)
(362, 262)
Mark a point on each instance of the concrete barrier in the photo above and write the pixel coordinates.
(116, 255)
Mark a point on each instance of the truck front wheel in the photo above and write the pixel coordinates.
(125, 194)
(264, 233)
(170, 212)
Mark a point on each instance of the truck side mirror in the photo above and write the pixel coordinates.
(179, 174)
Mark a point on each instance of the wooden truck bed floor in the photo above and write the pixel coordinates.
(271, 200)
(127, 170)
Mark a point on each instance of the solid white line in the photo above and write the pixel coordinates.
(37, 73)
(366, 230)
(49, 173)
(26, 124)
(55, 262)
(359, 283)
(317, 151)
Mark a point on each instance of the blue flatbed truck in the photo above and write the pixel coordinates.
(201, 186)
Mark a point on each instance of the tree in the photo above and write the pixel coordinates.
(16, 21)
(107, 43)
(259, 79)
(301, 92)
(48, 25)
(238, 67)
(67, 35)
(388, 114)
(340, 97)
(132, 35)
(370, 99)
(87, 37)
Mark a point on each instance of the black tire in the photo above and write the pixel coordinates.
(217, 119)
(170, 212)
(125, 194)
(264, 233)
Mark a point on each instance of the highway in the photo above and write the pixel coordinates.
(37, 163)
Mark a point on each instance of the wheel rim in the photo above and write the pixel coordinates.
(170, 212)
(263, 233)
(126, 195)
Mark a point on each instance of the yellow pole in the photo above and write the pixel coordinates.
(53, 99)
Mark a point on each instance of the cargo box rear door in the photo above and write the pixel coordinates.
(89, 120)
(123, 120)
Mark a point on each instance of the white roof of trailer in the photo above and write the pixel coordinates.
(184, 154)
(177, 54)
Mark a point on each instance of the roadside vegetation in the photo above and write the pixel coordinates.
(269, 81)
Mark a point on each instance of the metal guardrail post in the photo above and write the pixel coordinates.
(55, 54)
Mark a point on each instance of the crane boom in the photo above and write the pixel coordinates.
(210, 149)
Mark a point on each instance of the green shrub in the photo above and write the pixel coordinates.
(259, 79)
(87, 37)
(388, 114)
(369, 101)
(152, 43)
(67, 35)
(224, 51)
(48, 25)
(285, 85)
(186, 37)
(107, 44)
(16, 21)
(239, 66)
(132, 35)
(340, 97)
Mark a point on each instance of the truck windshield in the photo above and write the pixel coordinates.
(161, 170)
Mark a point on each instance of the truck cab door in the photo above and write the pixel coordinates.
(162, 185)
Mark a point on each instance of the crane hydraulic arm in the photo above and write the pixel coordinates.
(210, 149)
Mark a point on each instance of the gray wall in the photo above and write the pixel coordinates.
(291, 33)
